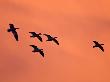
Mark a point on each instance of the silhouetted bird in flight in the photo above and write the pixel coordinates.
(36, 35)
(13, 30)
(50, 38)
(98, 45)
(36, 49)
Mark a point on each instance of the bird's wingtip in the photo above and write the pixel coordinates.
(10, 24)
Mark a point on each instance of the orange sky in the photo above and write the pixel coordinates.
(76, 23)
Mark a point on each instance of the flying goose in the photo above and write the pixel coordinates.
(13, 30)
(98, 45)
(34, 34)
(36, 49)
(50, 38)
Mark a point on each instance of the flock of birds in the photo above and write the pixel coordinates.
(34, 34)
(50, 38)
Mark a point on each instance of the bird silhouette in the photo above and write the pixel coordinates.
(13, 30)
(50, 38)
(98, 45)
(34, 34)
(36, 49)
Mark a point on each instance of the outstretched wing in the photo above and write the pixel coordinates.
(48, 36)
(95, 42)
(56, 41)
(39, 37)
(11, 26)
(33, 46)
(15, 35)
(33, 33)
(36, 35)
(42, 53)
(101, 48)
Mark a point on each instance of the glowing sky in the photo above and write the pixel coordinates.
(76, 23)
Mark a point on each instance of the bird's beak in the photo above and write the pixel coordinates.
(40, 34)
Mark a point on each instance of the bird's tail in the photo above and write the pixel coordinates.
(8, 30)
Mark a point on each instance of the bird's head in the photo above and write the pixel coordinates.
(40, 34)
(41, 49)
(8, 30)
(44, 34)
(16, 28)
(31, 45)
(55, 37)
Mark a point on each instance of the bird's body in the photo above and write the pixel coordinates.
(36, 49)
(13, 30)
(50, 38)
(36, 35)
(98, 45)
